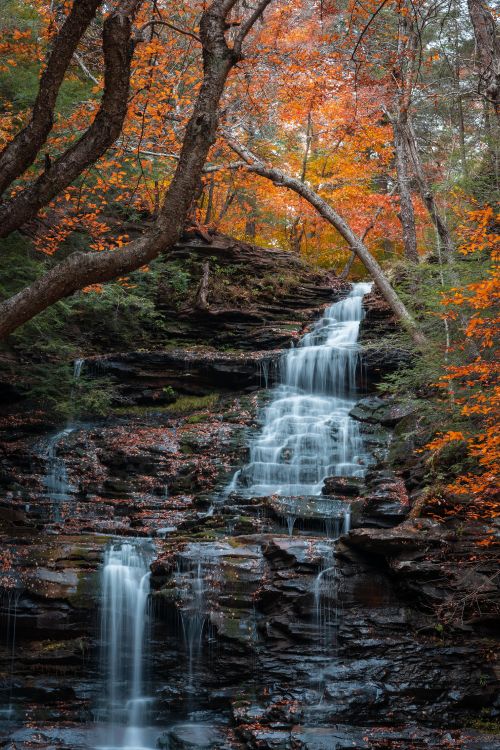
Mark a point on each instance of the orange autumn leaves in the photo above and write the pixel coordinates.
(294, 70)
(476, 383)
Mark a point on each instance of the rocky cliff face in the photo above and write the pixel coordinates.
(295, 642)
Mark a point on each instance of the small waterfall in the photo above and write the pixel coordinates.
(124, 640)
(9, 600)
(77, 368)
(194, 618)
(308, 433)
(57, 486)
(325, 592)
(198, 580)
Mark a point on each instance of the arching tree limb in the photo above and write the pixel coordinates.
(104, 130)
(21, 152)
(329, 214)
(82, 269)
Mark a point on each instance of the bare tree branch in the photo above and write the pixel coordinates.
(248, 24)
(158, 22)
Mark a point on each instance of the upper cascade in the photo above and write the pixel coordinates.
(307, 432)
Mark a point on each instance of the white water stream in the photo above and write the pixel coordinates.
(124, 639)
(308, 434)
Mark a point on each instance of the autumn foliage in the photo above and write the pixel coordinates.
(475, 384)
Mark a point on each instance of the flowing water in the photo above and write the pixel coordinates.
(57, 486)
(78, 365)
(124, 639)
(308, 433)
(8, 607)
(198, 579)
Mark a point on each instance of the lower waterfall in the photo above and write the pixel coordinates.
(124, 641)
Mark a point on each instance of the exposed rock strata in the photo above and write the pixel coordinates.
(306, 644)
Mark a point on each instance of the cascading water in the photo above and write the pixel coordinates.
(124, 639)
(78, 365)
(57, 486)
(9, 600)
(308, 433)
(197, 578)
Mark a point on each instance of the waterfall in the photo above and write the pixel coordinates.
(9, 600)
(198, 580)
(194, 618)
(57, 486)
(124, 640)
(77, 368)
(308, 434)
(325, 592)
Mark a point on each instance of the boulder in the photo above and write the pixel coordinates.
(413, 534)
(193, 737)
(350, 486)
(383, 411)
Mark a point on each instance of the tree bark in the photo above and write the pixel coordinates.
(106, 127)
(201, 301)
(81, 269)
(404, 76)
(21, 152)
(427, 194)
(328, 213)
(488, 50)
(407, 212)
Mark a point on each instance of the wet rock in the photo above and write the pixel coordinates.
(351, 486)
(386, 502)
(349, 696)
(144, 376)
(311, 512)
(414, 534)
(326, 738)
(193, 737)
(386, 412)
(53, 584)
(290, 551)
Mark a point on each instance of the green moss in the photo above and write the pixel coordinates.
(87, 592)
(187, 404)
(197, 418)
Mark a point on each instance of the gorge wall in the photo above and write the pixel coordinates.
(256, 638)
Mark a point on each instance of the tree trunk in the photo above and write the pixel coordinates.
(427, 195)
(407, 212)
(81, 269)
(488, 51)
(21, 152)
(279, 178)
(106, 127)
